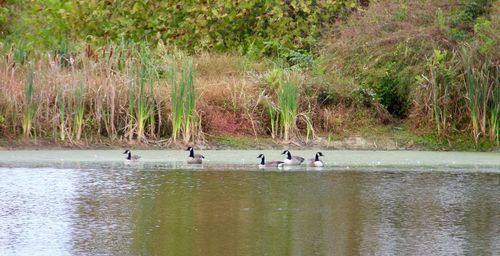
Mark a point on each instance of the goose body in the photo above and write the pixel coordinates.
(315, 162)
(263, 164)
(131, 157)
(194, 158)
(292, 160)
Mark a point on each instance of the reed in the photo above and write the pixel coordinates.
(20, 54)
(142, 104)
(29, 106)
(183, 101)
(472, 95)
(131, 110)
(495, 112)
(481, 82)
(283, 114)
(440, 88)
(306, 118)
(152, 114)
(176, 97)
(61, 105)
(190, 101)
(274, 118)
(288, 106)
(79, 110)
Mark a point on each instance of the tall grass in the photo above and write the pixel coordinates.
(183, 101)
(288, 106)
(131, 109)
(274, 118)
(284, 113)
(440, 87)
(79, 110)
(176, 102)
(143, 112)
(61, 105)
(495, 112)
(190, 101)
(29, 106)
(481, 80)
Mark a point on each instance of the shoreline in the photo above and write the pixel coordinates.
(353, 142)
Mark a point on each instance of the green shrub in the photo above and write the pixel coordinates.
(459, 24)
(392, 78)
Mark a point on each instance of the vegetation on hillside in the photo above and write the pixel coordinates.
(431, 64)
(81, 71)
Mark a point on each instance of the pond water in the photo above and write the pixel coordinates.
(362, 203)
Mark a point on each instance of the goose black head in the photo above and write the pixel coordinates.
(126, 151)
(191, 152)
(288, 154)
(317, 156)
(262, 161)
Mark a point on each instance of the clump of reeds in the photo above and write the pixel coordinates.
(481, 80)
(463, 92)
(284, 113)
(145, 105)
(288, 106)
(183, 101)
(440, 85)
(139, 69)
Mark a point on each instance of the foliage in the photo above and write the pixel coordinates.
(486, 35)
(43, 24)
(394, 57)
(459, 22)
(388, 76)
(264, 27)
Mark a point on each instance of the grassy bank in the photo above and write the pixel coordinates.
(393, 75)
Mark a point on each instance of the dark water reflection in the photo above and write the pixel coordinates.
(176, 212)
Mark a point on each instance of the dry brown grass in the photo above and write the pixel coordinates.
(227, 96)
(386, 22)
(230, 92)
(343, 119)
(372, 35)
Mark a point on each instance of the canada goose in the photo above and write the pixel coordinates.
(263, 163)
(315, 162)
(131, 157)
(192, 158)
(292, 160)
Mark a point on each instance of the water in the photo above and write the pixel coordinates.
(363, 203)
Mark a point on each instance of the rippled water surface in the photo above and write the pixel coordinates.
(363, 203)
